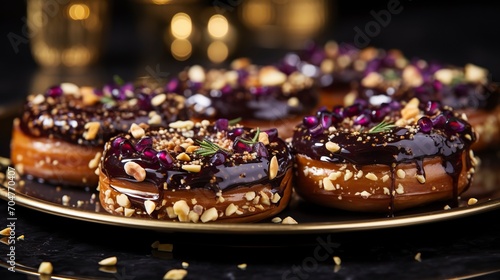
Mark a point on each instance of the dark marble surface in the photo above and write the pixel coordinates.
(463, 248)
(456, 249)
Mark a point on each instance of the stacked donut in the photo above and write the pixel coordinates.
(224, 145)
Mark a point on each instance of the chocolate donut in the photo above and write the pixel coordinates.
(383, 158)
(466, 89)
(336, 68)
(262, 96)
(61, 133)
(197, 172)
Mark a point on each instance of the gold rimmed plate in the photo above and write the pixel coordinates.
(83, 204)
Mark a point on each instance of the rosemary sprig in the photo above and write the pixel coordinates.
(382, 127)
(118, 80)
(234, 121)
(207, 148)
(254, 139)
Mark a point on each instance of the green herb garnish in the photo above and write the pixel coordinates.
(118, 80)
(254, 139)
(108, 100)
(234, 121)
(382, 127)
(207, 148)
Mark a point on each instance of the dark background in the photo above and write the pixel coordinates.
(451, 31)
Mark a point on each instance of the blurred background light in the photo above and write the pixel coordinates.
(181, 26)
(78, 11)
(218, 26)
(181, 49)
(217, 51)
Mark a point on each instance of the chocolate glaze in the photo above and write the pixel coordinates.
(240, 169)
(459, 94)
(64, 116)
(240, 94)
(360, 146)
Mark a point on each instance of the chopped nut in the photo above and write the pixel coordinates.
(250, 196)
(371, 176)
(289, 221)
(400, 189)
(273, 168)
(89, 98)
(231, 209)
(472, 201)
(39, 99)
(271, 76)
(135, 170)
(242, 266)
(165, 247)
(149, 206)
(420, 178)
(475, 74)
(175, 274)
(276, 220)
(136, 131)
(445, 76)
(154, 119)
(20, 237)
(45, 268)
(264, 199)
(122, 200)
(411, 76)
(108, 261)
(332, 147)
(196, 74)
(183, 157)
(418, 257)
(159, 99)
(182, 124)
(191, 149)
(334, 175)
(401, 173)
(372, 80)
(276, 198)
(263, 137)
(128, 212)
(155, 244)
(385, 178)
(209, 215)
(70, 88)
(181, 209)
(337, 260)
(191, 167)
(91, 130)
(348, 175)
(328, 185)
(185, 265)
(94, 163)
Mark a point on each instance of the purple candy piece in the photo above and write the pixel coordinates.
(221, 124)
(126, 148)
(235, 132)
(310, 121)
(165, 158)
(54, 91)
(272, 134)
(317, 130)
(218, 158)
(240, 147)
(150, 154)
(172, 85)
(454, 125)
(260, 149)
(432, 107)
(439, 121)
(363, 120)
(425, 124)
(146, 142)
